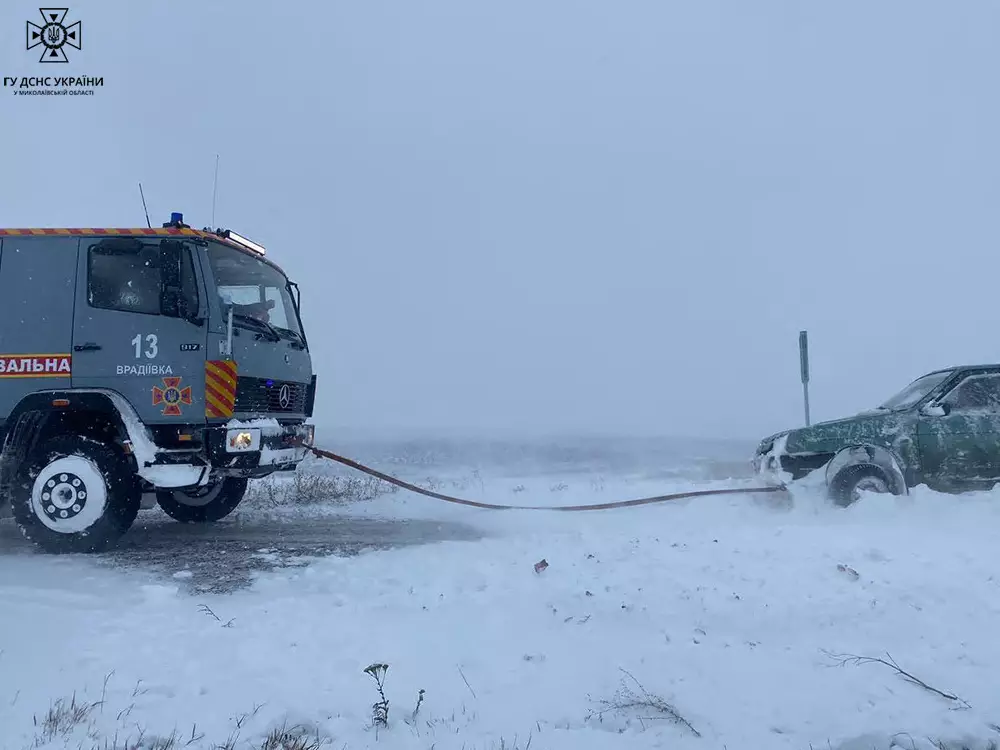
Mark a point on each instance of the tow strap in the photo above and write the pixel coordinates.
(597, 506)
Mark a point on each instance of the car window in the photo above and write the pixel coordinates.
(916, 390)
(976, 392)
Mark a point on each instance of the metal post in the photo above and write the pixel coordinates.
(804, 366)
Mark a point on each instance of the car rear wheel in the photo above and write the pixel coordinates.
(213, 502)
(846, 487)
(75, 494)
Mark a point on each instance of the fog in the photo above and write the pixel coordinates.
(561, 217)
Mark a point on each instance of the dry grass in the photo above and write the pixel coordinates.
(313, 489)
(293, 738)
(302, 489)
(637, 702)
(62, 719)
(71, 723)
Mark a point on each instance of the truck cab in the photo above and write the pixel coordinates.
(161, 365)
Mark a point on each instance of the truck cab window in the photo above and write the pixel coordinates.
(253, 288)
(127, 275)
(124, 276)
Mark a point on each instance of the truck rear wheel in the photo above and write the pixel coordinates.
(75, 494)
(212, 502)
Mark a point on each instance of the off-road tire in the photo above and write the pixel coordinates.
(850, 480)
(74, 494)
(205, 505)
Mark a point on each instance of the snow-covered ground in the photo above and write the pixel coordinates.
(735, 614)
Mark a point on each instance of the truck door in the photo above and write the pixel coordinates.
(37, 280)
(140, 326)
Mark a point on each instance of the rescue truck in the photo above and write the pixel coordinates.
(139, 367)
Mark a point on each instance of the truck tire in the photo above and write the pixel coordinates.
(846, 486)
(75, 494)
(212, 502)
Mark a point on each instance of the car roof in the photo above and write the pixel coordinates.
(956, 368)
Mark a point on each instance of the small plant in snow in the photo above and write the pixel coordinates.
(173, 741)
(888, 661)
(206, 610)
(649, 707)
(380, 709)
(515, 746)
(295, 738)
(412, 720)
(416, 709)
(561, 487)
(519, 488)
(61, 719)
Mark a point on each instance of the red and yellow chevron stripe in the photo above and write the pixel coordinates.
(140, 232)
(220, 388)
(153, 232)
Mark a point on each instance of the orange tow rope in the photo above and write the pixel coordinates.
(475, 504)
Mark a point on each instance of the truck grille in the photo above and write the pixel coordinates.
(263, 395)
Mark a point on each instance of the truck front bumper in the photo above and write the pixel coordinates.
(258, 446)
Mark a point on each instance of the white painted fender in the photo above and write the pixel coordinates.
(868, 454)
(145, 450)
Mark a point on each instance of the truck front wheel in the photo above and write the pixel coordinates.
(75, 494)
(214, 501)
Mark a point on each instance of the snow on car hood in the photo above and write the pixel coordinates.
(875, 427)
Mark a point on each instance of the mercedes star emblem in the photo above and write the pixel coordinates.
(284, 396)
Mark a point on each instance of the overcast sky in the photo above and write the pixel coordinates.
(560, 216)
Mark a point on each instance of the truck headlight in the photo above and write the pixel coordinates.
(243, 440)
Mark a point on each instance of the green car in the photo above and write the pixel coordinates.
(942, 430)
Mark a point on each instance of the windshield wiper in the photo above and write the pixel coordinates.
(263, 327)
(297, 340)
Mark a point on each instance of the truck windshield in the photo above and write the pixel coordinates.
(255, 289)
(916, 391)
